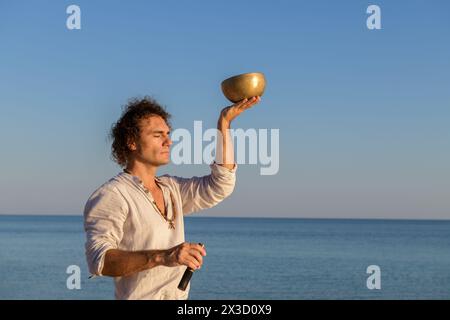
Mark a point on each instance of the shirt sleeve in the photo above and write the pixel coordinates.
(104, 216)
(198, 193)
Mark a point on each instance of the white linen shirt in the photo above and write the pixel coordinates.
(120, 215)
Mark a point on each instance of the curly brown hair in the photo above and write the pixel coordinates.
(126, 129)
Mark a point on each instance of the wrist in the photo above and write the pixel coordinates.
(223, 123)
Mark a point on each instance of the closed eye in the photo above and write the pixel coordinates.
(159, 133)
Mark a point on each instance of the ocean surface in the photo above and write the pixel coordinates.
(247, 258)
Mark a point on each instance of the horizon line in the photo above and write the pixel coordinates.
(199, 216)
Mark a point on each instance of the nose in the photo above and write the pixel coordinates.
(168, 141)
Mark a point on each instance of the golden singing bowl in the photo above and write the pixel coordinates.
(243, 86)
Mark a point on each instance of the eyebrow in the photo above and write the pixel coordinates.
(160, 131)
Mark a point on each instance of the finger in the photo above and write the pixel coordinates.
(200, 249)
(246, 103)
(242, 106)
(240, 103)
(251, 101)
(191, 263)
(256, 100)
(197, 256)
(190, 260)
(249, 104)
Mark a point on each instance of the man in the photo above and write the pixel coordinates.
(134, 222)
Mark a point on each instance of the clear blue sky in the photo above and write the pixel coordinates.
(364, 116)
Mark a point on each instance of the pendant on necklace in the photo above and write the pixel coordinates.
(171, 225)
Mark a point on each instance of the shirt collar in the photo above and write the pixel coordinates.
(137, 180)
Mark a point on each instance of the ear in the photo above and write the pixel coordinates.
(131, 145)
